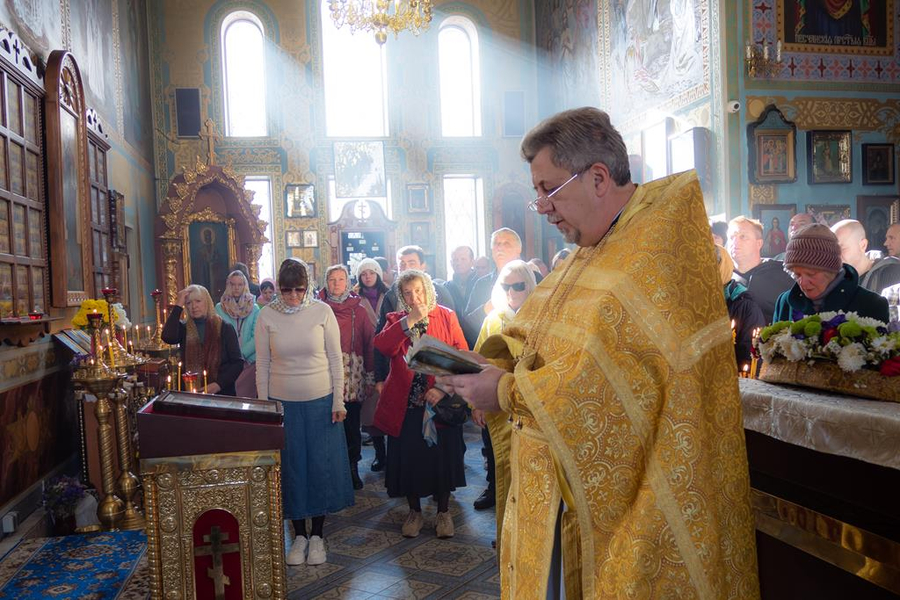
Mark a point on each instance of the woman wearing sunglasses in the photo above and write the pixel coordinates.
(299, 362)
(514, 284)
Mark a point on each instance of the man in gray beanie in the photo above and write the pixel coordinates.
(823, 282)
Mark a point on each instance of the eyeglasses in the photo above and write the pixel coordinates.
(519, 286)
(533, 205)
(297, 290)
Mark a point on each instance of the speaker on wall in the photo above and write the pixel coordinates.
(187, 111)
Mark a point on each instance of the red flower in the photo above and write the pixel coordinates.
(890, 367)
(827, 334)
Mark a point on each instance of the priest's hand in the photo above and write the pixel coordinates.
(338, 416)
(479, 390)
(478, 417)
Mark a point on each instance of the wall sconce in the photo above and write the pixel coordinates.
(763, 61)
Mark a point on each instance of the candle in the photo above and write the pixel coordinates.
(749, 50)
(204, 382)
(733, 333)
(745, 370)
(112, 358)
(765, 49)
(179, 375)
(137, 334)
(168, 382)
(778, 51)
(125, 336)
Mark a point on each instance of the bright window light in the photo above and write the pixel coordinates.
(463, 214)
(460, 78)
(243, 57)
(355, 81)
(263, 198)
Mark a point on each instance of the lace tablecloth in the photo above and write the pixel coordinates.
(866, 430)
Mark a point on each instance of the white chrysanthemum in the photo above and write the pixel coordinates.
(883, 345)
(867, 322)
(852, 357)
(121, 316)
(767, 351)
(832, 348)
(827, 316)
(794, 349)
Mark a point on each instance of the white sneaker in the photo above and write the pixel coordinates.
(297, 553)
(316, 551)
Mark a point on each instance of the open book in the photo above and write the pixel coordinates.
(431, 356)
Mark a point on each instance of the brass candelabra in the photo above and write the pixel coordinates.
(153, 345)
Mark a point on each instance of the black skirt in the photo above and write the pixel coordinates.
(415, 469)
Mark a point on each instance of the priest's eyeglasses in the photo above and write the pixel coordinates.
(544, 200)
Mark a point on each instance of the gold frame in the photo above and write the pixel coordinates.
(790, 155)
(206, 215)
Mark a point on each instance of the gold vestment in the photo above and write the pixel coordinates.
(625, 405)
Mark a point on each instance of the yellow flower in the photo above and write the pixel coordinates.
(80, 319)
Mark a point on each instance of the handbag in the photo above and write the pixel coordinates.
(451, 410)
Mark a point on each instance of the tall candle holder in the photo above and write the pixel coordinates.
(127, 484)
(121, 356)
(100, 381)
(153, 345)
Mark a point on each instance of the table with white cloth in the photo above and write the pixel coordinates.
(825, 472)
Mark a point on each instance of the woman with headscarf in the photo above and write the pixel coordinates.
(371, 288)
(515, 282)
(422, 460)
(238, 308)
(357, 331)
(207, 342)
(823, 282)
(266, 291)
(298, 362)
(744, 312)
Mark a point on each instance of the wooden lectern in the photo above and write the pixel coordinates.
(211, 469)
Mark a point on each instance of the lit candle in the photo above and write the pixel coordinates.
(746, 369)
(765, 49)
(778, 51)
(733, 333)
(148, 332)
(168, 382)
(112, 358)
(137, 335)
(164, 315)
(179, 375)
(125, 336)
(204, 382)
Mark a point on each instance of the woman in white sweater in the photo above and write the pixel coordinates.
(299, 362)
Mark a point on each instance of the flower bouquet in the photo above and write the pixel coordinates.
(88, 306)
(835, 351)
(61, 498)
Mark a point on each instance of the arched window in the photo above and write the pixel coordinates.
(463, 214)
(355, 74)
(460, 72)
(244, 70)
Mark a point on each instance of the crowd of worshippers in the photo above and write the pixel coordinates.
(821, 269)
(287, 340)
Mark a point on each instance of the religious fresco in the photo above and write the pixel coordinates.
(570, 41)
(135, 88)
(92, 45)
(37, 22)
(658, 52)
(852, 41)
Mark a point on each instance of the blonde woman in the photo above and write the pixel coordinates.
(207, 342)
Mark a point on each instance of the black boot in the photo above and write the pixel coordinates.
(487, 499)
(378, 444)
(354, 474)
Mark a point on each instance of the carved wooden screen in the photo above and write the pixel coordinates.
(101, 248)
(23, 257)
(67, 183)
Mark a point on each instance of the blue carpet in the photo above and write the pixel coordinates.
(87, 567)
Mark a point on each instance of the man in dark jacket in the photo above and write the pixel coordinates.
(743, 311)
(764, 278)
(874, 274)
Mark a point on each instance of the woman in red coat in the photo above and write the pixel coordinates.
(418, 467)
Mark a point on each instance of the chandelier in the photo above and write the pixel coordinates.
(381, 15)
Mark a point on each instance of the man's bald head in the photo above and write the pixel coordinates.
(851, 236)
(892, 240)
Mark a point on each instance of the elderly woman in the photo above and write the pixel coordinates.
(515, 283)
(357, 331)
(372, 288)
(238, 308)
(298, 361)
(559, 257)
(207, 342)
(823, 282)
(417, 467)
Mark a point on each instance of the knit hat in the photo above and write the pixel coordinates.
(726, 265)
(814, 247)
(371, 264)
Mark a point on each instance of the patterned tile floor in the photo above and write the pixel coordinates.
(368, 558)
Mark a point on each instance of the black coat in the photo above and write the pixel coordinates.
(766, 281)
(747, 316)
(848, 296)
(231, 363)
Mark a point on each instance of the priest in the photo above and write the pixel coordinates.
(627, 458)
